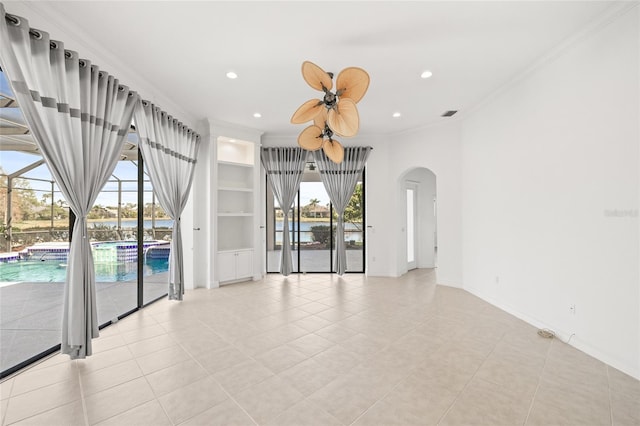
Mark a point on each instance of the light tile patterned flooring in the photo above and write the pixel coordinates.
(323, 350)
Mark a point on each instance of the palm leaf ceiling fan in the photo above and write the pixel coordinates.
(335, 114)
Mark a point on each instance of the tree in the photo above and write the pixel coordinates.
(353, 212)
(150, 208)
(25, 204)
(98, 212)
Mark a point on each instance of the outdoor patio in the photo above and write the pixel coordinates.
(314, 260)
(31, 312)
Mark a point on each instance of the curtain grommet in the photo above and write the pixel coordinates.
(35, 34)
(13, 20)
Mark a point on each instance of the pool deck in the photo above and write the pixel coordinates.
(31, 312)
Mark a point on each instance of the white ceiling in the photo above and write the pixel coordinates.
(185, 49)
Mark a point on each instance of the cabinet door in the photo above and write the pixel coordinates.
(226, 266)
(244, 264)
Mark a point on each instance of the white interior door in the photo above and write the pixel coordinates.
(412, 210)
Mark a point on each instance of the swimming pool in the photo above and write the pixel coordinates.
(55, 271)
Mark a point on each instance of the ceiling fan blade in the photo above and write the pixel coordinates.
(321, 118)
(334, 150)
(352, 83)
(311, 138)
(315, 76)
(344, 119)
(307, 111)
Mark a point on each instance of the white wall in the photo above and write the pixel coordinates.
(545, 166)
(436, 148)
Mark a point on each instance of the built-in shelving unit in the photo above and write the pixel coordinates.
(236, 203)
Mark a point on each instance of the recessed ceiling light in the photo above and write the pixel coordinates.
(396, 114)
(232, 75)
(426, 74)
(257, 115)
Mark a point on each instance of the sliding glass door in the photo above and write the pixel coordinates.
(312, 222)
(314, 226)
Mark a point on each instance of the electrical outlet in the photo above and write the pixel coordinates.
(572, 309)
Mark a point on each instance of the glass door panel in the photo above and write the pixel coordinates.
(275, 225)
(411, 229)
(354, 230)
(315, 227)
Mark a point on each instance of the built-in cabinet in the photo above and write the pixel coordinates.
(237, 188)
(235, 265)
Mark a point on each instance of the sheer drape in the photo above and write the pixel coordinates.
(169, 150)
(79, 117)
(284, 167)
(340, 181)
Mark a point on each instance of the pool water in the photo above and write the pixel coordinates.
(56, 271)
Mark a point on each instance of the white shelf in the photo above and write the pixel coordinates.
(233, 250)
(231, 163)
(232, 188)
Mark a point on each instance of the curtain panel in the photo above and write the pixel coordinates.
(169, 150)
(284, 168)
(340, 181)
(79, 117)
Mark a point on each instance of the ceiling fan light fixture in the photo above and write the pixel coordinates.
(344, 119)
(352, 83)
(335, 113)
(316, 77)
(307, 111)
(311, 138)
(334, 150)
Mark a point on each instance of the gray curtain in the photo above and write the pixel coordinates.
(340, 181)
(169, 150)
(79, 117)
(284, 167)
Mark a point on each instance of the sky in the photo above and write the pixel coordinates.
(12, 161)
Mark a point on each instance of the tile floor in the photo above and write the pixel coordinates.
(323, 350)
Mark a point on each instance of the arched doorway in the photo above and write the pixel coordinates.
(418, 240)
